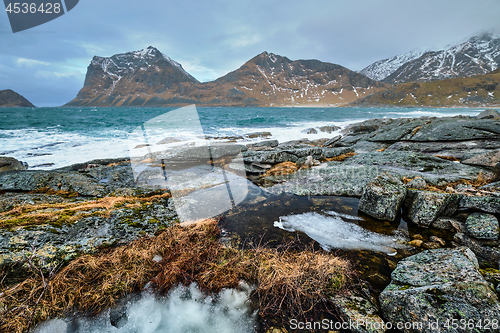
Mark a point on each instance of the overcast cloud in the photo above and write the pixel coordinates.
(47, 64)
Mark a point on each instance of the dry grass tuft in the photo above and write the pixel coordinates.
(293, 284)
(416, 130)
(341, 158)
(287, 283)
(284, 168)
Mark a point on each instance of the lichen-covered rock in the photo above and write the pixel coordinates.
(98, 180)
(428, 206)
(489, 159)
(458, 129)
(445, 223)
(332, 178)
(383, 197)
(489, 253)
(488, 204)
(11, 164)
(482, 226)
(356, 309)
(432, 169)
(435, 287)
(331, 141)
(417, 183)
(73, 231)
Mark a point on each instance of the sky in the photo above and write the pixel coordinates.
(47, 64)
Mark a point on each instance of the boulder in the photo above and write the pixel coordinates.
(329, 129)
(448, 223)
(263, 144)
(309, 131)
(482, 226)
(481, 250)
(432, 169)
(258, 135)
(332, 178)
(488, 114)
(417, 183)
(435, 287)
(357, 309)
(488, 204)
(400, 129)
(332, 141)
(489, 159)
(11, 164)
(96, 181)
(428, 206)
(458, 129)
(461, 150)
(383, 197)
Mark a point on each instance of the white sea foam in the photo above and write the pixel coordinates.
(185, 309)
(333, 232)
(59, 148)
(52, 147)
(433, 113)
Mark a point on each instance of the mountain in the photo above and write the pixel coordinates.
(265, 80)
(479, 90)
(477, 55)
(115, 80)
(381, 69)
(9, 98)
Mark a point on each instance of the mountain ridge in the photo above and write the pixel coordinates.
(265, 80)
(476, 55)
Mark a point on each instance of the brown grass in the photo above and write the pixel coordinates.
(284, 168)
(449, 158)
(287, 282)
(416, 130)
(481, 180)
(340, 158)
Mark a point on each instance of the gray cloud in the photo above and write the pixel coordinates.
(47, 64)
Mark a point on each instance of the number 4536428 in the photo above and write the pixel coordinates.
(26, 8)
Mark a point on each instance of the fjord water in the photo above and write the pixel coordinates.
(48, 138)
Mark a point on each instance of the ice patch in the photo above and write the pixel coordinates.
(185, 309)
(333, 232)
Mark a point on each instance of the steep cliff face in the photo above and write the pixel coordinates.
(479, 54)
(9, 98)
(149, 78)
(110, 81)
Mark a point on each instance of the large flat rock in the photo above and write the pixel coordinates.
(436, 287)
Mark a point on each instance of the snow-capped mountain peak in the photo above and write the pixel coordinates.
(381, 69)
(479, 54)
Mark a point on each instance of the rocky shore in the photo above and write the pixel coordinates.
(435, 173)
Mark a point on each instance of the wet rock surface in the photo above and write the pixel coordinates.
(11, 164)
(437, 286)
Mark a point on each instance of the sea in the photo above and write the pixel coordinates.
(54, 137)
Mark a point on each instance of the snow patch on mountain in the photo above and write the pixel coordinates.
(381, 69)
(479, 54)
